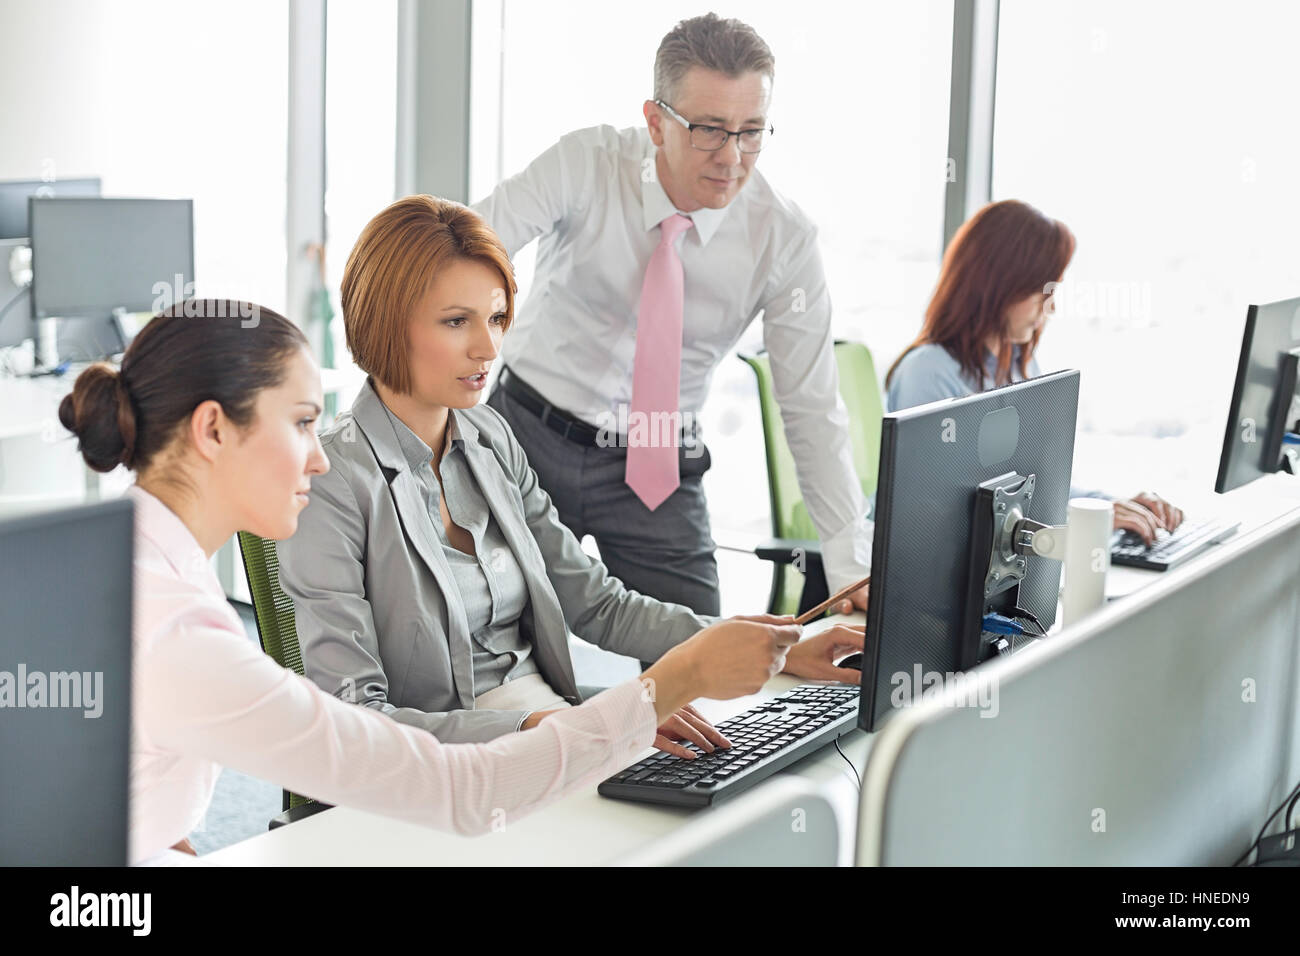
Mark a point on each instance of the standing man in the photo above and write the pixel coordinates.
(659, 247)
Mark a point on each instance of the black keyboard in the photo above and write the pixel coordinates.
(764, 739)
(1172, 547)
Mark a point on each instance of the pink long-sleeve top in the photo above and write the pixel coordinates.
(206, 697)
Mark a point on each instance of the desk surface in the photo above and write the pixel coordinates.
(30, 405)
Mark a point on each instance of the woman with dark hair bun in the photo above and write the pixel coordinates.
(988, 312)
(216, 416)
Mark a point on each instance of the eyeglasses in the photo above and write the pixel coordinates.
(713, 138)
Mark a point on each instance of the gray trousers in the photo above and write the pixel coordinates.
(666, 553)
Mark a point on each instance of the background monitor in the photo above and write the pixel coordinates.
(933, 458)
(91, 257)
(65, 590)
(14, 196)
(1262, 395)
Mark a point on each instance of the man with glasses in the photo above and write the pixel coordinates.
(659, 246)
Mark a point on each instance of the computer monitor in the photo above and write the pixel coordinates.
(15, 298)
(65, 686)
(94, 257)
(944, 470)
(1261, 411)
(14, 196)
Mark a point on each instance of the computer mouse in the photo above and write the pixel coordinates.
(853, 661)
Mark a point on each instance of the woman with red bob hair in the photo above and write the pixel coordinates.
(984, 321)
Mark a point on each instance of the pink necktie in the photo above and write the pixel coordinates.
(656, 374)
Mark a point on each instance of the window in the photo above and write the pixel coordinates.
(160, 100)
(360, 142)
(1163, 137)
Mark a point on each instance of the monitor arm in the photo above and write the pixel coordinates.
(1015, 536)
(1044, 540)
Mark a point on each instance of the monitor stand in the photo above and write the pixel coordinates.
(89, 338)
(1001, 539)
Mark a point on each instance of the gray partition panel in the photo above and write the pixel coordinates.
(1160, 731)
(785, 822)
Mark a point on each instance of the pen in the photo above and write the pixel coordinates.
(839, 595)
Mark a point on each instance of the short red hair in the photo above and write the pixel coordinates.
(392, 265)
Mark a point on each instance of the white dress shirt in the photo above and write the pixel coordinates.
(596, 203)
(204, 696)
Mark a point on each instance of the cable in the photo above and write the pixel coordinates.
(1290, 807)
(849, 762)
(1020, 611)
(1292, 796)
(12, 302)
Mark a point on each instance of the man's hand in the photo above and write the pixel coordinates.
(688, 724)
(813, 658)
(857, 601)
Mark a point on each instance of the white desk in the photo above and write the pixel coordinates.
(29, 409)
(30, 406)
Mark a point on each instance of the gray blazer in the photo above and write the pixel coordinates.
(379, 619)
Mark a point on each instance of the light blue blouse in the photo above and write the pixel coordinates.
(929, 373)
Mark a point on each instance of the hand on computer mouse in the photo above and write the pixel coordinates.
(852, 662)
(813, 658)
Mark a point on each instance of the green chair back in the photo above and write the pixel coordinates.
(860, 390)
(274, 612)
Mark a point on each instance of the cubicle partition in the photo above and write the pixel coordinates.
(1161, 731)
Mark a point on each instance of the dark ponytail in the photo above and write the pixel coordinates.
(199, 350)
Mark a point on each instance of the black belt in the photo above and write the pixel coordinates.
(556, 419)
(565, 424)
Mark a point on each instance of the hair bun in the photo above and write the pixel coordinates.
(99, 412)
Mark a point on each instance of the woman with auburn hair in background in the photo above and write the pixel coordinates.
(216, 416)
(983, 324)
(432, 578)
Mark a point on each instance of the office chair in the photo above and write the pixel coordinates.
(798, 580)
(279, 636)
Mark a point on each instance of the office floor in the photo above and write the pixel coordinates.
(243, 805)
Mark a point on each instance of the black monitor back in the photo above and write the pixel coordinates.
(932, 458)
(1261, 394)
